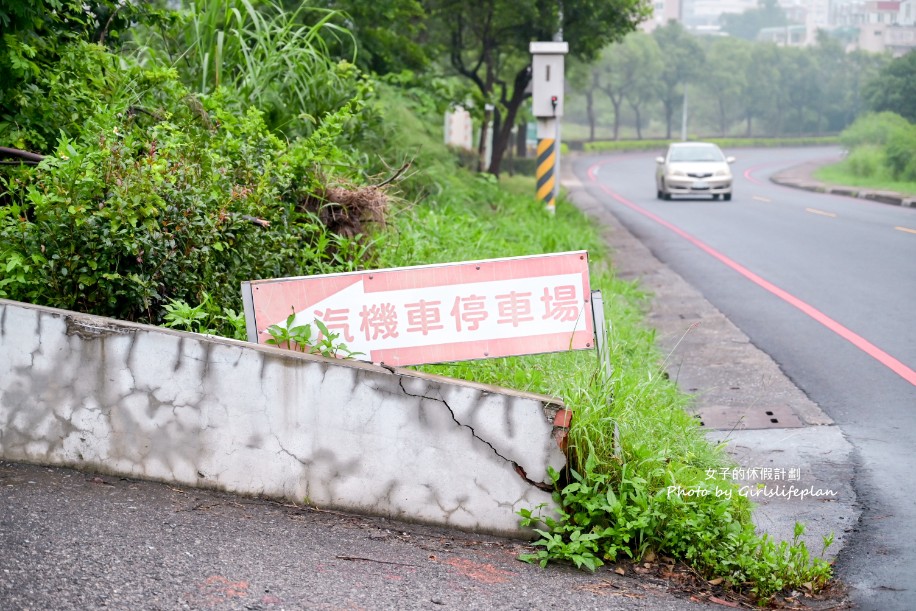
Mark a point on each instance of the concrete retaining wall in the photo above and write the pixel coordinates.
(147, 402)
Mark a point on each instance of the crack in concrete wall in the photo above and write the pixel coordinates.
(147, 402)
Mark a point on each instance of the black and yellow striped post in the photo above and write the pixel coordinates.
(546, 173)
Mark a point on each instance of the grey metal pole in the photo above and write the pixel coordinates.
(684, 117)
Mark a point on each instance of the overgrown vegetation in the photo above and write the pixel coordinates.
(881, 153)
(164, 186)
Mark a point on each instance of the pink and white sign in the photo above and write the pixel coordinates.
(438, 313)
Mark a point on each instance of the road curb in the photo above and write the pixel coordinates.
(801, 177)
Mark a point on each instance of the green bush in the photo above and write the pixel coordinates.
(155, 200)
(900, 152)
(865, 160)
(873, 129)
(270, 58)
(526, 166)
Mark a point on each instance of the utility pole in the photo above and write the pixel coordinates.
(684, 116)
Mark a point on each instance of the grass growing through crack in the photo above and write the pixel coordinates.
(632, 442)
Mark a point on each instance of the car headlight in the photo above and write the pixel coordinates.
(678, 173)
(723, 173)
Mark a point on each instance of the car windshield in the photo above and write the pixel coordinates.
(695, 153)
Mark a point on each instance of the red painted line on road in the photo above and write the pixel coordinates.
(748, 173)
(856, 340)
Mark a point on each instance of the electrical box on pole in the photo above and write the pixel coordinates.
(547, 83)
(547, 78)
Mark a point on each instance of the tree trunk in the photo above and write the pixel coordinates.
(501, 140)
(616, 119)
(590, 111)
(722, 119)
(669, 112)
(521, 139)
(482, 145)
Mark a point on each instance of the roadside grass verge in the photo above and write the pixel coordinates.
(642, 479)
(602, 146)
(844, 174)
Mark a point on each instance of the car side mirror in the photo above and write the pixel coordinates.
(729, 160)
(659, 160)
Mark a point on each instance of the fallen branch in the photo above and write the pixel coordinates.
(23, 156)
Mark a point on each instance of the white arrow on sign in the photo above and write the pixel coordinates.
(478, 311)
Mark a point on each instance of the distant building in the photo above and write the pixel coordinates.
(882, 26)
(785, 36)
(663, 11)
(698, 13)
(871, 25)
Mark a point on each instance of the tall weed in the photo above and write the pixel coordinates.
(269, 58)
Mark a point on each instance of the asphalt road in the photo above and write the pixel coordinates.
(825, 285)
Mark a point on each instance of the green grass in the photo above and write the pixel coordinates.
(649, 144)
(631, 438)
(842, 174)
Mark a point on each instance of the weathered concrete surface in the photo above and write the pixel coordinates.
(147, 402)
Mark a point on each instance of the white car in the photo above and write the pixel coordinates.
(694, 168)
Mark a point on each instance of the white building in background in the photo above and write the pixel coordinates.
(785, 36)
(707, 12)
(458, 128)
(814, 15)
(663, 11)
(907, 13)
(879, 25)
(882, 25)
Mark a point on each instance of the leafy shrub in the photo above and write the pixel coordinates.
(873, 129)
(50, 57)
(270, 58)
(865, 160)
(162, 197)
(206, 317)
(900, 152)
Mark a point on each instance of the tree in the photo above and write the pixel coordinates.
(748, 24)
(894, 88)
(683, 63)
(487, 43)
(37, 36)
(802, 87)
(724, 79)
(388, 34)
(644, 59)
(612, 77)
(759, 94)
(582, 78)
